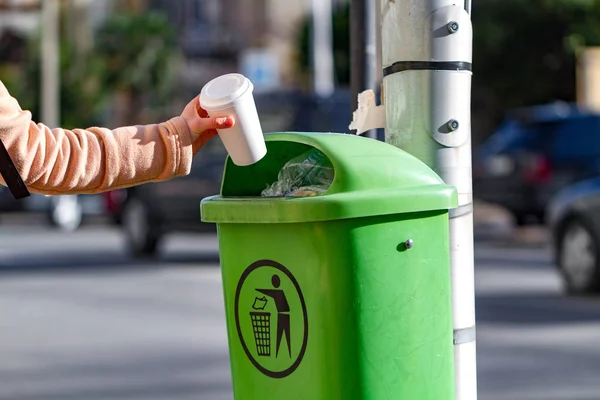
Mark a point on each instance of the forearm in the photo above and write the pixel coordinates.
(61, 161)
(98, 159)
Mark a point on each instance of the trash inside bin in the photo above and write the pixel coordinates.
(308, 174)
(324, 297)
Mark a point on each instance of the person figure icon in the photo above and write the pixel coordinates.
(283, 313)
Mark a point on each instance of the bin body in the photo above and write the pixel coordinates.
(336, 309)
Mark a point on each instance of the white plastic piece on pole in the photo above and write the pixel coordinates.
(465, 357)
(368, 115)
(453, 164)
(463, 275)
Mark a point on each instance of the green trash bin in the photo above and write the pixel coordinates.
(341, 296)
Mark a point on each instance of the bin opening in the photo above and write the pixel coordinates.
(289, 169)
(368, 178)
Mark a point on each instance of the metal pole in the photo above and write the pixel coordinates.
(357, 50)
(50, 64)
(378, 46)
(371, 45)
(363, 51)
(322, 45)
(426, 58)
(64, 208)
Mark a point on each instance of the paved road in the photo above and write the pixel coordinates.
(80, 321)
(533, 342)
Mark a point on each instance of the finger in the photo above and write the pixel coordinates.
(202, 139)
(199, 125)
(201, 111)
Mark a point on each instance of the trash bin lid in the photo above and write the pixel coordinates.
(370, 178)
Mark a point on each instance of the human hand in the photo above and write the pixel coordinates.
(202, 127)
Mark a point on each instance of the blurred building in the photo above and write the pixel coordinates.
(256, 37)
(18, 18)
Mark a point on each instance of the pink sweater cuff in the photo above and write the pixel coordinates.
(182, 144)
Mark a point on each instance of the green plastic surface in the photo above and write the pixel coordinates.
(378, 315)
(323, 298)
(371, 178)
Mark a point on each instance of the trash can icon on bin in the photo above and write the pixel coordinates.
(268, 306)
(261, 324)
(324, 298)
(261, 321)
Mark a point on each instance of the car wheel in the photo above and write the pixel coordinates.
(578, 257)
(142, 238)
(66, 213)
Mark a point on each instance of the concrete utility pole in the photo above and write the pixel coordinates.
(426, 57)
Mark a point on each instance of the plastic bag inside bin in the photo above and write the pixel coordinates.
(309, 174)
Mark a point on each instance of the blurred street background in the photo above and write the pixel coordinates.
(82, 320)
(118, 295)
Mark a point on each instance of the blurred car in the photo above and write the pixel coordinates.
(535, 153)
(574, 224)
(65, 212)
(113, 204)
(8, 202)
(153, 210)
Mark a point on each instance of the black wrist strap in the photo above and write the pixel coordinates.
(11, 176)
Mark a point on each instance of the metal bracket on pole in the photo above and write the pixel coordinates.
(450, 36)
(468, 6)
(465, 335)
(460, 211)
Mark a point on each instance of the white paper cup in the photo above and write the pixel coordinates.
(231, 95)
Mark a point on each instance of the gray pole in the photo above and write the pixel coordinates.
(50, 64)
(364, 69)
(357, 50)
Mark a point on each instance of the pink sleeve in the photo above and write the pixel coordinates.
(93, 160)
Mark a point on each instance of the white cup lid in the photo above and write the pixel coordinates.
(223, 90)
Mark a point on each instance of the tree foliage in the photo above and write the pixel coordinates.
(524, 52)
(132, 53)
